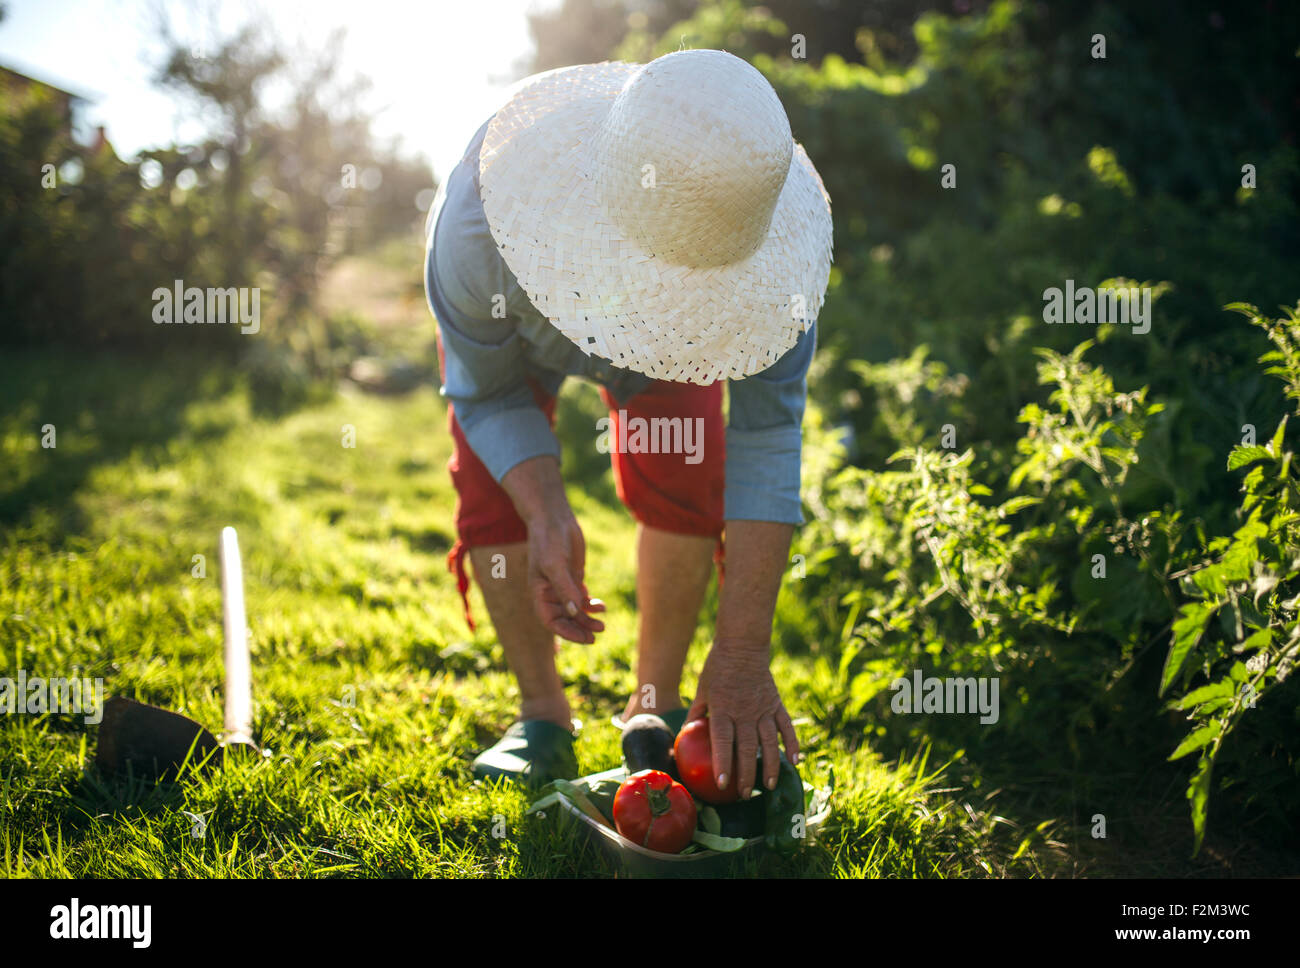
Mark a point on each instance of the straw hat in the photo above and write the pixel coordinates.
(660, 215)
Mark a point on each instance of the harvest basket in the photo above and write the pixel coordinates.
(639, 861)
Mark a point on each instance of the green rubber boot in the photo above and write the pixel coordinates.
(533, 752)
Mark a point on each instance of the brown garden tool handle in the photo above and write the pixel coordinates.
(239, 697)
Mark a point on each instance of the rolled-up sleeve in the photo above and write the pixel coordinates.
(494, 406)
(485, 379)
(765, 438)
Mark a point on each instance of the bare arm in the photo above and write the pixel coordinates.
(556, 550)
(757, 552)
(736, 688)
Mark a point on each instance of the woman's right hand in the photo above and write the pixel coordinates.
(557, 552)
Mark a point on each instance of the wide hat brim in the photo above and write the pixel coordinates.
(606, 293)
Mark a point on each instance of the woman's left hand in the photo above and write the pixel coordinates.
(738, 694)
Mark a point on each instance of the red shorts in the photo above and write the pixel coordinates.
(661, 490)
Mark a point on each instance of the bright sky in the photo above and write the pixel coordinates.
(438, 66)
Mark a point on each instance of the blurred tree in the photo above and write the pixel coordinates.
(265, 200)
(317, 152)
(586, 31)
(230, 80)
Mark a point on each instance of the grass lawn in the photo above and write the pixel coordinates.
(369, 690)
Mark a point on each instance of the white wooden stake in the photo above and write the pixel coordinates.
(239, 697)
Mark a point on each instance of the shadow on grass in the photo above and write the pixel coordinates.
(93, 797)
(1114, 800)
(64, 413)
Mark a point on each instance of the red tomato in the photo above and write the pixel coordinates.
(654, 810)
(693, 752)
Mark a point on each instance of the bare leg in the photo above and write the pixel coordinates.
(673, 572)
(529, 646)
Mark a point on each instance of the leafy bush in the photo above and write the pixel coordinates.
(1059, 578)
(1242, 627)
(941, 573)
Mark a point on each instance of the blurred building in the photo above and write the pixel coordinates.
(17, 88)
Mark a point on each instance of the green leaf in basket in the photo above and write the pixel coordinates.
(710, 822)
(577, 795)
(544, 803)
(602, 793)
(714, 842)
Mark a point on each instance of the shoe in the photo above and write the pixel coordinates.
(675, 719)
(534, 752)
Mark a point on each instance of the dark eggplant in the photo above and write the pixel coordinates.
(768, 813)
(743, 818)
(648, 745)
(785, 810)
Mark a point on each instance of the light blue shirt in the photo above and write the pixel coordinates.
(486, 360)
